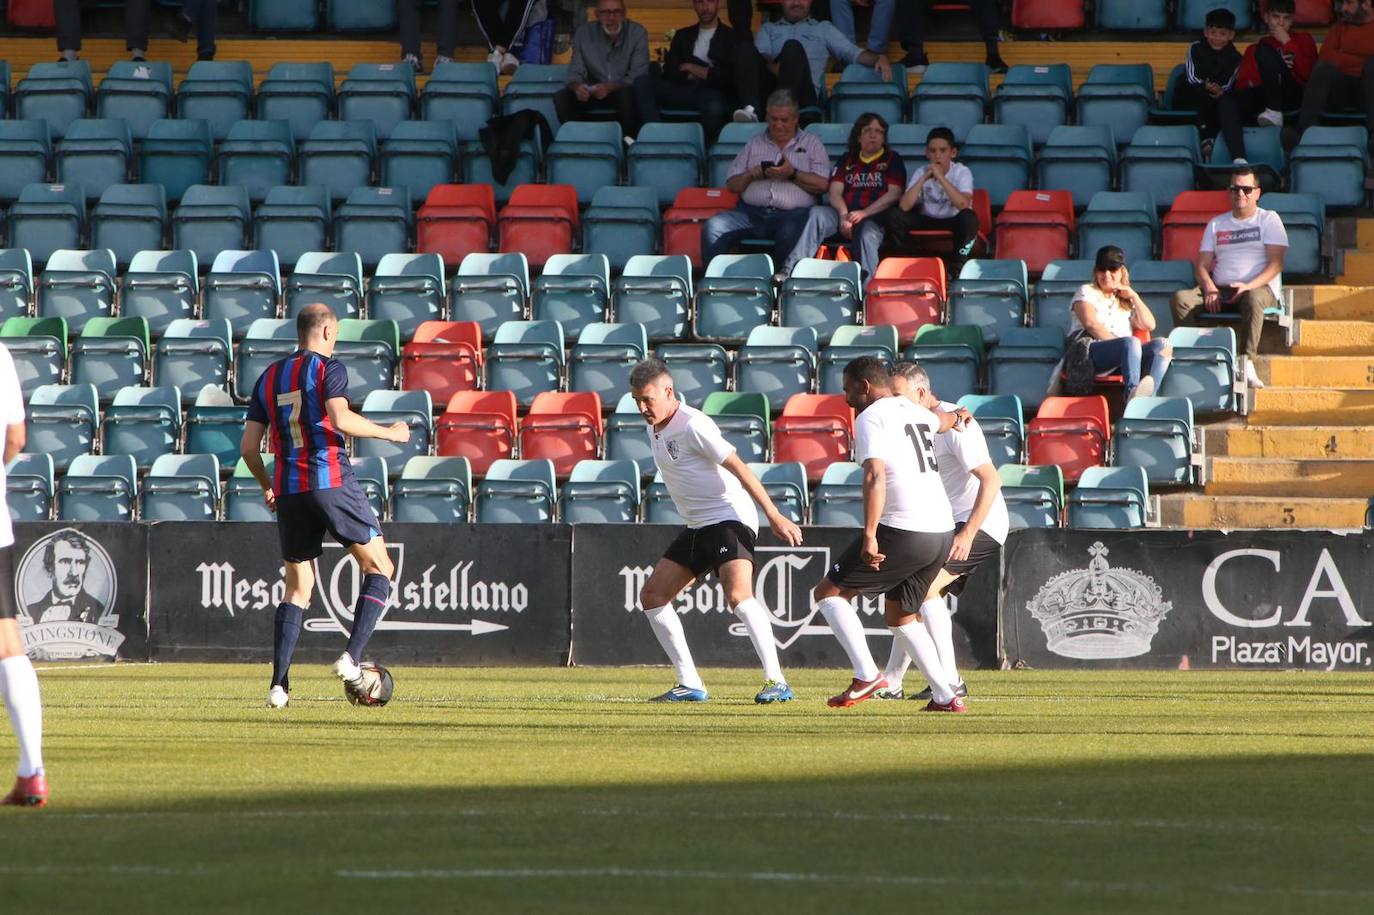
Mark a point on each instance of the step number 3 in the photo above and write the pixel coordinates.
(292, 400)
(925, 448)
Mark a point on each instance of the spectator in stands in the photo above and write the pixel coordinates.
(1270, 80)
(608, 55)
(741, 17)
(863, 188)
(1343, 79)
(912, 17)
(408, 24)
(939, 195)
(1238, 267)
(67, 16)
(696, 72)
(503, 30)
(1108, 312)
(778, 175)
(1209, 72)
(879, 25)
(792, 54)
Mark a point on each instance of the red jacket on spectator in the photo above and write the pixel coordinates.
(1349, 46)
(1300, 53)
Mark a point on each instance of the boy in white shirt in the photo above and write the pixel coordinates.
(939, 195)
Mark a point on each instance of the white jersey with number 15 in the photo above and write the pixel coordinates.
(902, 435)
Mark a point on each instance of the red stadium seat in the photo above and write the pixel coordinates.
(564, 428)
(1047, 14)
(816, 430)
(1181, 230)
(682, 221)
(1036, 227)
(444, 358)
(478, 425)
(941, 241)
(908, 293)
(539, 221)
(456, 220)
(1071, 432)
(1307, 12)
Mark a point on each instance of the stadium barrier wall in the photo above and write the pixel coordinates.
(1180, 599)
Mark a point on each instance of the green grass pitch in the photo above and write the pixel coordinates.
(528, 790)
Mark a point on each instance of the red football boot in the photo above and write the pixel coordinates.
(857, 692)
(27, 792)
(954, 705)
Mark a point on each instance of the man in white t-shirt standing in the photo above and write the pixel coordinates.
(715, 492)
(980, 527)
(907, 536)
(18, 682)
(1239, 266)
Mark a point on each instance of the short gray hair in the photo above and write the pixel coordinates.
(912, 373)
(647, 372)
(782, 98)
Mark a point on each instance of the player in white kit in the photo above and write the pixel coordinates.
(18, 682)
(715, 492)
(908, 531)
(980, 527)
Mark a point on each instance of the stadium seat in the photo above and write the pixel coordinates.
(667, 158)
(214, 425)
(415, 409)
(564, 428)
(952, 94)
(129, 218)
(540, 221)
(241, 287)
(1263, 151)
(721, 155)
(359, 16)
(815, 430)
(1304, 219)
(1081, 160)
(111, 353)
(839, 500)
(408, 289)
(1055, 291)
(1137, 15)
(243, 497)
(98, 488)
(266, 341)
(573, 290)
(292, 221)
(821, 294)
(1000, 157)
(526, 357)
(656, 292)
(517, 492)
(1157, 281)
(372, 476)
(1072, 432)
(1161, 160)
(906, 293)
(16, 283)
(1114, 498)
(1023, 362)
(456, 220)
(600, 492)
(848, 344)
(192, 354)
(211, 219)
(627, 436)
(533, 86)
(990, 294)
(462, 94)
(1002, 422)
(862, 90)
(257, 155)
(602, 358)
(620, 222)
(1330, 162)
(217, 92)
(25, 154)
(444, 357)
(94, 154)
(1038, 97)
(143, 422)
(370, 350)
(586, 155)
(698, 369)
(1192, 14)
(734, 297)
(48, 218)
(373, 222)
(338, 156)
(476, 168)
(744, 422)
(1156, 433)
(1127, 219)
(1047, 15)
(63, 421)
(1182, 228)
(658, 507)
(1034, 495)
(302, 94)
(381, 93)
(1168, 110)
(1203, 369)
(38, 347)
(682, 221)
(419, 156)
(58, 93)
(490, 289)
(952, 356)
(777, 362)
(433, 490)
(77, 286)
(785, 484)
(29, 487)
(283, 16)
(335, 280)
(1036, 227)
(176, 154)
(478, 426)
(1118, 96)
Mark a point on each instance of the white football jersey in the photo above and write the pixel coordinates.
(958, 453)
(11, 414)
(902, 435)
(689, 452)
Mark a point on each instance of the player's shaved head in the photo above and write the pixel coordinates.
(651, 386)
(312, 319)
(649, 371)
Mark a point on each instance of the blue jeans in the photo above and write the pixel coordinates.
(723, 230)
(824, 222)
(842, 15)
(1131, 359)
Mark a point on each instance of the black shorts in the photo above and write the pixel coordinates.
(706, 549)
(983, 549)
(912, 560)
(8, 608)
(304, 517)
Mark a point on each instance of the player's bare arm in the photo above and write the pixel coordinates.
(956, 420)
(875, 500)
(358, 426)
(16, 435)
(989, 485)
(782, 526)
(250, 448)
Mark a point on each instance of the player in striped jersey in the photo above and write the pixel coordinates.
(301, 403)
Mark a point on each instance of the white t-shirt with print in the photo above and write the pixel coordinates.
(702, 49)
(11, 414)
(934, 200)
(902, 435)
(1107, 308)
(1239, 247)
(688, 452)
(958, 453)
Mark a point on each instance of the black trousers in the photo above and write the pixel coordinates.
(654, 93)
(622, 100)
(913, 22)
(755, 82)
(1328, 89)
(1186, 96)
(67, 14)
(963, 224)
(408, 24)
(741, 14)
(1278, 90)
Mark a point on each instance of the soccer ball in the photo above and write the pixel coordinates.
(377, 686)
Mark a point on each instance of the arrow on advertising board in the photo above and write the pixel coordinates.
(476, 627)
(738, 629)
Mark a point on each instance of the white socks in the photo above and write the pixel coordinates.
(19, 685)
(668, 630)
(897, 663)
(935, 612)
(920, 646)
(844, 622)
(759, 625)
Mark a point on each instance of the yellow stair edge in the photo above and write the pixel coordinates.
(1204, 512)
(1293, 442)
(1334, 338)
(1347, 372)
(1274, 406)
(1333, 303)
(1352, 478)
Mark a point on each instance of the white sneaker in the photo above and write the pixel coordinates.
(745, 115)
(278, 698)
(1251, 376)
(495, 58)
(1270, 118)
(1240, 160)
(345, 668)
(1145, 388)
(509, 64)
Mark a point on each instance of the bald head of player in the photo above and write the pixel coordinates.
(866, 380)
(651, 386)
(317, 329)
(911, 381)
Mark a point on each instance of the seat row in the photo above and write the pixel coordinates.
(1150, 15)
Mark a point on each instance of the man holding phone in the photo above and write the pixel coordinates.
(1238, 268)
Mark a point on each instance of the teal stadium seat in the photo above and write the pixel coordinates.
(1023, 362)
(1156, 434)
(654, 290)
(621, 222)
(176, 154)
(243, 497)
(824, 295)
(408, 289)
(335, 279)
(217, 91)
(1204, 369)
(734, 297)
(1081, 160)
(339, 156)
(16, 283)
(1000, 418)
(98, 488)
(258, 156)
(603, 357)
(300, 93)
(130, 218)
(63, 422)
(991, 295)
(658, 506)
(951, 355)
(785, 484)
(1135, 15)
(954, 95)
(744, 421)
(777, 362)
(517, 492)
(667, 158)
(839, 500)
(25, 156)
(999, 155)
(143, 422)
(698, 369)
(433, 490)
(373, 222)
(1118, 96)
(417, 156)
(181, 487)
(1127, 219)
(627, 436)
(370, 351)
(283, 15)
(211, 219)
(573, 290)
(1161, 160)
(192, 355)
(242, 287)
(214, 425)
(371, 474)
(58, 93)
(77, 286)
(415, 409)
(463, 94)
(138, 92)
(38, 347)
(600, 492)
(490, 289)
(1034, 495)
(29, 487)
(1330, 162)
(1112, 498)
(587, 155)
(533, 86)
(265, 341)
(292, 221)
(862, 90)
(1304, 219)
(849, 343)
(1055, 290)
(359, 16)
(721, 155)
(1039, 97)
(1192, 14)
(526, 358)
(48, 218)
(381, 93)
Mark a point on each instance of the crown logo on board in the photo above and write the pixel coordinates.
(1099, 613)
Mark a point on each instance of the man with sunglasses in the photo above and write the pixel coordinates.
(1238, 268)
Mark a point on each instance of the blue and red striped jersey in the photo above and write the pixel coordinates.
(289, 399)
